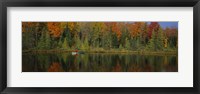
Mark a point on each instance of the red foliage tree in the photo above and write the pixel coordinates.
(171, 32)
(154, 26)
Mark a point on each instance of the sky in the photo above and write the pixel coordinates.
(167, 24)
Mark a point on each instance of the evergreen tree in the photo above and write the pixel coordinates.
(65, 44)
(44, 42)
(160, 40)
(128, 45)
(77, 42)
(85, 44)
(60, 43)
(151, 45)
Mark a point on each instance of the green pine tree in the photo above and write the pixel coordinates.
(44, 42)
(160, 40)
(128, 45)
(65, 44)
(151, 45)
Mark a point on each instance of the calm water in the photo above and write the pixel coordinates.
(98, 62)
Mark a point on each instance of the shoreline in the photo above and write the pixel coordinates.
(142, 52)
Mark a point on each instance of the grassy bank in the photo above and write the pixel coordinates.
(142, 52)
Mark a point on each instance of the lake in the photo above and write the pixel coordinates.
(99, 62)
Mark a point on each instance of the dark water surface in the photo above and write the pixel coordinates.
(98, 62)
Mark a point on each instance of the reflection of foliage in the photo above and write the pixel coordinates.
(55, 67)
(135, 68)
(117, 68)
(99, 63)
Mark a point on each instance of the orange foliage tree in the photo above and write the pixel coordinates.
(55, 28)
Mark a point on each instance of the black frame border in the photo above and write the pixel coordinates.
(100, 3)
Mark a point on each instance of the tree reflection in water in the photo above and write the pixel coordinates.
(55, 67)
(98, 62)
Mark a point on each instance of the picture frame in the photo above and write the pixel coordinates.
(103, 3)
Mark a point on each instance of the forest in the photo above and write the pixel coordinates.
(142, 37)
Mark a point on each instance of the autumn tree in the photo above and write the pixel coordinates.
(154, 26)
(172, 36)
(135, 36)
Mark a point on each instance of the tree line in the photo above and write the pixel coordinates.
(133, 36)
